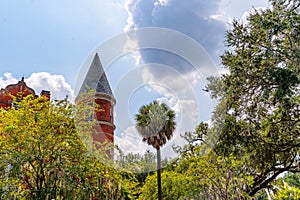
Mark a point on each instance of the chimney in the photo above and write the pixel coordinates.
(46, 94)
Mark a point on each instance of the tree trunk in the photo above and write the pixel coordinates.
(159, 175)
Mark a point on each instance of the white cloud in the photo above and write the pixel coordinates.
(223, 71)
(131, 142)
(39, 81)
(234, 9)
(56, 84)
(178, 92)
(170, 72)
(169, 82)
(179, 83)
(247, 14)
(7, 80)
(191, 18)
(162, 3)
(186, 120)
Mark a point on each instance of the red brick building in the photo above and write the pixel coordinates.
(18, 90)
(95, 79)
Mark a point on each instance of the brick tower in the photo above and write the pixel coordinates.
(96, 79)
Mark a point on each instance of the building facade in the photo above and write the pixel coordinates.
(95, 79)
(19, 91)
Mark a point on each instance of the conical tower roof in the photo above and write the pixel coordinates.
(96, 78)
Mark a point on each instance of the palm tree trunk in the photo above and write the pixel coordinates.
(159, 174)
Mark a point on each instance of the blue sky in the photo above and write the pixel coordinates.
(54, 36)
(50, 42)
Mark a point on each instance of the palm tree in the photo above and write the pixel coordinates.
(155, 123)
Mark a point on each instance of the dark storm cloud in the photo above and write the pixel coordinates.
(192, 18)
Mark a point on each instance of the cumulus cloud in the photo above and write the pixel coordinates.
(247, 14)
(39, 81)
(204, 21)
(186, 112)
(186, 119)
(7, 80)
(131, 142)
(177, 62)
(170, 82)
(193, 19)
(56, 84)
(234, 9)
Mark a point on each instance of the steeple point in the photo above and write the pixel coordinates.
(96, 78)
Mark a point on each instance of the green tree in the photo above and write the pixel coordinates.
(155, 123)
(42, 156)
(287, 193)
(199, 173)
(286, 187)
(292, 179)
(258, 118)
(175, 186)
(140, 166)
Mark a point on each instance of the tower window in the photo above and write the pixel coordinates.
(111, 114)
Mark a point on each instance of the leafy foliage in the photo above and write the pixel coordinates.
(287, 193)
(42, 156)
(138, 163)
(199, 173)
(254, 136)
(174, 185)
(141, 165)
(286, 187)
(258, 117)
(155, 123)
